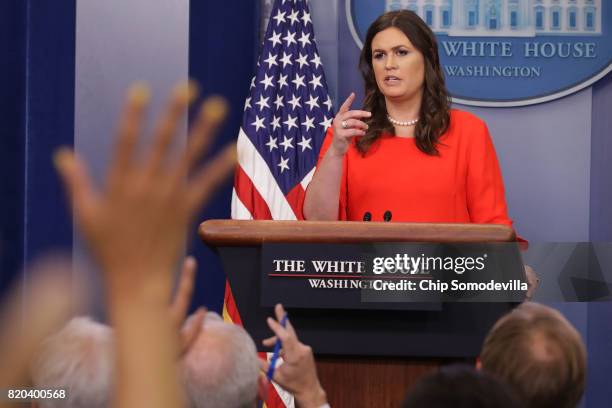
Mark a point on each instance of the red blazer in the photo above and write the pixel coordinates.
(463, 184)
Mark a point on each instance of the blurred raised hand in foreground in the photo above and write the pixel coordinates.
(135, 224)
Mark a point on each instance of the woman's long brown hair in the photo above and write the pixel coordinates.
(434, 117)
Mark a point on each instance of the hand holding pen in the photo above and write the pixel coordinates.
(277, 348)
(298, 372)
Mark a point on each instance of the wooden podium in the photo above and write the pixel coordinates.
(364, 357)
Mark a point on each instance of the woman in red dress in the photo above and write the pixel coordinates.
(406, 154)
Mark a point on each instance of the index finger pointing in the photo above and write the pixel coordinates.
(347, 104)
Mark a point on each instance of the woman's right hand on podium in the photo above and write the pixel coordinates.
(348, 124)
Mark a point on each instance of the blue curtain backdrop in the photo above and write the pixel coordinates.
(12, 117)
(37, 109)
(223, 47)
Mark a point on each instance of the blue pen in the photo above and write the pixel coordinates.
(277, 348)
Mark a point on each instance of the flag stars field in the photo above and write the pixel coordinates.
(287, 113)
(290, 122)
(304, 40)
(308, 123)
(271, 60)
(267, 81)
(305, 143)
(279, 101)
(290, 38)
(282, 81)
(275, 123)
(315, 81)
(302, 60)
(328, 103)
(313, 102)
(262, 103)
(259, 123)
(325, 123)
(287, 143)
(295, 102)
(283, 164)
(298, 81)
(286, 60)
(275, 38)
(316, 61)
(279, 17)
(294, 17)
(272, 143)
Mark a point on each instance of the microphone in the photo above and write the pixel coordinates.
(387, 216)
(367, 216)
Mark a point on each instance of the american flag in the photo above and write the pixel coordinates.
(286, 115)
(285, 118)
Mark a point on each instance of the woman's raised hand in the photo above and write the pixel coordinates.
(348, 124)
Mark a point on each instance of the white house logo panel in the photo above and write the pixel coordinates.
(508, 52)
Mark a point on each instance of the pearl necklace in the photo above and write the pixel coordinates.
(401, 123)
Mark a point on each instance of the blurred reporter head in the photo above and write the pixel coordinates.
(221, 369)
(399, 63)
(540, 354)
(78, 358)
(460, 386)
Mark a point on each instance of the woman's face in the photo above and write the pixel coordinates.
(398, 66)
